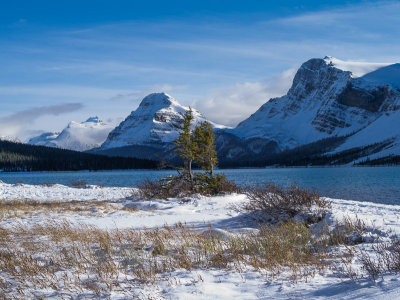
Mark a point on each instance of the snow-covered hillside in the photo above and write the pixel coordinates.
(76, 136)
(152, 124)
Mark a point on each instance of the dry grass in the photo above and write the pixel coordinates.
(363, 245)
(19, 208)
(62, 256)
(131, 208)
(348, 232)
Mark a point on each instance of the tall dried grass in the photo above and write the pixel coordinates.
(62, 256)
(18, 208)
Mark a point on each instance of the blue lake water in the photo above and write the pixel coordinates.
(374, 184)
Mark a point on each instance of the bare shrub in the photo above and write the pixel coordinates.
(48, 184)
(180, 186)
(282, 204)
(210, 185)
(383, 258)
(169, 187)
(80, 184)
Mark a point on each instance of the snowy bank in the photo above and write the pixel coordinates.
(199, 213)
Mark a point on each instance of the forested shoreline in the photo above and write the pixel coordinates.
(23, 157)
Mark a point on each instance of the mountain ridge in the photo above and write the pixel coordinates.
(328, 98)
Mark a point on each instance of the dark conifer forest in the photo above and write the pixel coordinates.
(24, 157)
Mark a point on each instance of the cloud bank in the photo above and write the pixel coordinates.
(15, 125)
(230, 105)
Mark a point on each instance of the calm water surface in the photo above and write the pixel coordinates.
(375, 184)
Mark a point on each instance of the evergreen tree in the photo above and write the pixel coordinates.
(206, 153)
(184, 142)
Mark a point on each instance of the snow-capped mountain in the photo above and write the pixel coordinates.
(326, 101)
(355, 104)
(150, 128)
(76, 136)
(44, 139)
(9, 138)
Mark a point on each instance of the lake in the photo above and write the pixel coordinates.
(374, 184)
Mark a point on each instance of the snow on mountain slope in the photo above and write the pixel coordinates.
(357, 68)
(328, 98)
(386, 128)
(152, 123)
(44, 139)
(325, 101)
(76, 136)
(383, 76)
(10, 139)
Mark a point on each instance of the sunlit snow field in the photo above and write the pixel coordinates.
(49, 211)
(62, 234)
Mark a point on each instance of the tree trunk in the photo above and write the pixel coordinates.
(212, 170)
(190, 172)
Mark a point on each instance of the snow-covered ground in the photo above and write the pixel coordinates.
(202, 212)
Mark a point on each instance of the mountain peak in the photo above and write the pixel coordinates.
(315, 64)
(95, 119)
(159, 100)
(152, 124)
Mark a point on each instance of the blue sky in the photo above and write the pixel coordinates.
(68, 60)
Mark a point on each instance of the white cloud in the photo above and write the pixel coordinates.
(366, 13)
(137, 96)
(230, 105)
(61, 91)
(16, 125)
(204, 58)
(358, 68)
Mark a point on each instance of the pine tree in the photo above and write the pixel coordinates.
(206, 153)
(184, 142)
